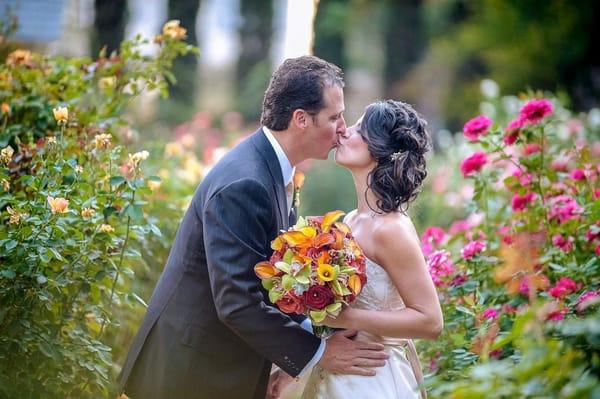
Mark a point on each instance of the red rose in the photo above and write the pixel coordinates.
(473, 163)
(318, 296)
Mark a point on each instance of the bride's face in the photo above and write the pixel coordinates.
(352, 151)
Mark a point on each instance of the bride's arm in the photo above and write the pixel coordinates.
(399, 252)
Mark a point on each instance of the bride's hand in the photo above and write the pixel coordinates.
(342, 320)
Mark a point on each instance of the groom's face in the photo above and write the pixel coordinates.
(325, 127)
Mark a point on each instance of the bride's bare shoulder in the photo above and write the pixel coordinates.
(395, 232)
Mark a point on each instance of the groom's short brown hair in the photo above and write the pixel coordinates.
(298, 83)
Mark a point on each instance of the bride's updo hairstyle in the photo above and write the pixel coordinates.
(397, 139)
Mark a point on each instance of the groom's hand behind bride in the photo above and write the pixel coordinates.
(344, 356)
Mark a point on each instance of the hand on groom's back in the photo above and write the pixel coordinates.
(345, 356)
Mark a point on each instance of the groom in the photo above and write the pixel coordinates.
(209, 331)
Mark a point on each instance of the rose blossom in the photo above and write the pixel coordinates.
(490, 313)
(520, 202)
(566, 245)
(477, 127)
(318, 296)
(564, 208)
(511, 133)
(290, 304)
(577, 174)
(473, 163)
(535, 110)
(440, 265)
(460, 226)
(532, 148)
(586, 299)
(472, 248)
(433, 234)
(563, 287)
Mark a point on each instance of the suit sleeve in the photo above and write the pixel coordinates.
(237, 224)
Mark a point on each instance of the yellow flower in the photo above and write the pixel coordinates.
(78, 168)
(15, 216)
(5, 108)
(153, 184)
(107, 82)
(106, 228)
(87, 212)
(5, 184)
(19, 57)
(6, 154)
(173, 148)
(326, 272)
(139, 156)
(51, 140)
(61, 114)
(58, 205)
(103, 141)
(173, 30)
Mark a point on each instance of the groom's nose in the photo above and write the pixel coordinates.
(341, 130)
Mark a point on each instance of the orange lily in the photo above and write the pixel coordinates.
(265, 270)
(329, 219)
(355, 284)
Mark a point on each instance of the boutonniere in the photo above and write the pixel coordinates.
(298, 182)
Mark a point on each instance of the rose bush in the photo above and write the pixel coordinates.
(519, 278)
(73, 198)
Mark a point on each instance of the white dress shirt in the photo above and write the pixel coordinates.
(287, 171)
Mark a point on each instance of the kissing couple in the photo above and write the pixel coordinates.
(210, 330)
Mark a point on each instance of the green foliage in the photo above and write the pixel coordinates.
(73, 214)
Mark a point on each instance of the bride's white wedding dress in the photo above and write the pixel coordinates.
(398, 378)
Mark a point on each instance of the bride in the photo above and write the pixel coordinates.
(384, 151)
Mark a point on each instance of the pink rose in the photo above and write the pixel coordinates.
(520, 202)
(473, 163)
(564, 208)
(532, 148)
(459, 226)
(440, 266)
(535, 110)
(563, 287)
(490, 313)
(565, 244)
(586, 299)
(577, 174)
(434, 234)
(471, 249)
(511, 133)
(477, 127)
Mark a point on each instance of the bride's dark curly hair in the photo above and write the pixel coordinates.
(397, 138)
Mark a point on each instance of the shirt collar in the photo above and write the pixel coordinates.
(287, 170)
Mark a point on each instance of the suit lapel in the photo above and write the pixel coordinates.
(265, 149)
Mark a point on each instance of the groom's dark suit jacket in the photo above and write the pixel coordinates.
(209, 331)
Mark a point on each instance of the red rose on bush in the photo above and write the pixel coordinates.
(473, 163)
(477, 127)
(318, 296)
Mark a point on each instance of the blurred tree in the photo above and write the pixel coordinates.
(109, 25)
(405, 42)
(543, 45)
(330, 31)
(253, 66)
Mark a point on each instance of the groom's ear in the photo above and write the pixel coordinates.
(300, 118)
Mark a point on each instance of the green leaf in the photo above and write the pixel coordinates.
(318, 316)
(302, 279)
(267, 283)
(284, 267)
(135, 212)
(116, 180)
(334, 308)
(9, 274)
(287, 281)
(138, 299)
(10, 244)
(41, 279)
(275, 295)
(287, 257)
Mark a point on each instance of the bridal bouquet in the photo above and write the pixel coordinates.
(316, 267)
